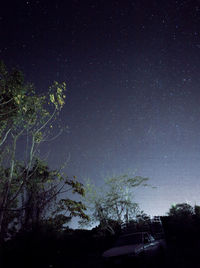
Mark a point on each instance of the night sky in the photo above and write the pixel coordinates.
(132, 73)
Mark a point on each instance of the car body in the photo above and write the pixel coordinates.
(135, 245)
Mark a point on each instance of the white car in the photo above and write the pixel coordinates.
(134, 245)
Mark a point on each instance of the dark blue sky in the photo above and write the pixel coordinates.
(132, 72)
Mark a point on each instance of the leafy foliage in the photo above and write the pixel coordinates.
(21, 109)
(29, 189)
(113, 201)
(42, 194)
(181, 210)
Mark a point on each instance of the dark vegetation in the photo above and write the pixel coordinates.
(44, 246)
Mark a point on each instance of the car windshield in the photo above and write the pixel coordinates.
(129, 240)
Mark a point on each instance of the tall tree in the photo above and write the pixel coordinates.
(43, 197)
(27, 115)
(113, 201)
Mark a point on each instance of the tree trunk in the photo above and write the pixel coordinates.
(7, 190)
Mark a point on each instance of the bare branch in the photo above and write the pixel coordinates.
(8, 112)
(5, 137)
(47, 122)
(55, 137)
(6, 102)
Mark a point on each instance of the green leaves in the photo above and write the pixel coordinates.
(114, 200)
(77, 187)
(22, 108)
(75, 208)
(56, 95)
(38, 137)
(31, 186)
(33, 117)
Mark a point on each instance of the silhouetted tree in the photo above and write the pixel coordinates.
(181, 222)
(26, 115)
(197, 211)
(113, 201)
(181, 210)
(41, 197)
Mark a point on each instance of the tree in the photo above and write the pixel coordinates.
(41, 200)
(41, 197)
(181, 222)
(26, 115)
(113, 201)
(182, 210)
(197, 211)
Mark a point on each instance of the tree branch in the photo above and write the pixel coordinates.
(6, 102)
(46, 123)
(5, 136)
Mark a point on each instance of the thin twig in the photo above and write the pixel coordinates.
(5, 136)
(6, 102)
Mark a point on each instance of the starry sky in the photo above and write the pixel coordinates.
(132, 73)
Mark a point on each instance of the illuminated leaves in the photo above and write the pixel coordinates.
(46, 189)
(21, 108)
(38, 137)
(18, 99)
(75, 208)
(58, 96)
(26, 114)
(52, 98)
(114, 200)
